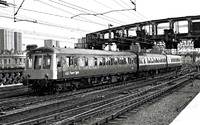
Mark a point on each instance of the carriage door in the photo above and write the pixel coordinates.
(65, 65)
(59, 67)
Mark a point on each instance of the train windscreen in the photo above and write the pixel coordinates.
(38, 62)
(46, 61)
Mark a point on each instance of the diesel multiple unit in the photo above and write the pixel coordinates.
(57, 69)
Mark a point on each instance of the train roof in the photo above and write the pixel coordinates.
(12, 55)
(152, 55)
(71, 51)
(174, 56)
(158, 55)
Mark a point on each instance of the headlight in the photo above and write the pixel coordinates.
(46, 76)
(28, 75)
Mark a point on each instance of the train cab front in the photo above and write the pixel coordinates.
(40, 70)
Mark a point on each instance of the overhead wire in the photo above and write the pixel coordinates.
(46, 23)
(142, 15)
(68, 12)
(112, 9)
(129, 11)
(51, 24)
(22, 16)
(135, 10)
(95, 14)
(10, 16)
(84, 10)
(28, 19)
(62, 16)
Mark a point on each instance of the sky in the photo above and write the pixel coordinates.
(68, 20)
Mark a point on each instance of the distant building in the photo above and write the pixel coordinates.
(187, 46)
(51, 43)
(6, 39)
(10, 40)
(81, 43)
(18, 41)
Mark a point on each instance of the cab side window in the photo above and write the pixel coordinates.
(58, 62)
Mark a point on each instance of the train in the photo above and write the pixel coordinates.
(11, 68)
(61, 69)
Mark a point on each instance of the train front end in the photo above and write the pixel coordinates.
(40, 69)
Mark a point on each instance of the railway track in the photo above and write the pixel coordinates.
(20, 116)
(109, 111)
(13, 90)
(8, 104)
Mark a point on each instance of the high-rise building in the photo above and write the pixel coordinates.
(51, 43)
(6, 39)
(10, 40)
(18, 41)
(81, 43)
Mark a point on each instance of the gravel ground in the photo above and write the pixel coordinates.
(163, 111)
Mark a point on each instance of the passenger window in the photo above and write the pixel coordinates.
(125, 61)
(0, 61)
(75, 61)
(111, 61)
(67, 61)
(95, 61)
(15, 61)
(103, 61)
(133, 61)
(107, 61)
(120, 60)
(86, 61)
(20, 61)
(115, 61)
(81, 61)
(129, 60)
(100, 61)
(5, 61)
(71, 61)
(144, 61)
(140, 61)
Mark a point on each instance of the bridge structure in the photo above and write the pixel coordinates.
(170, 31)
